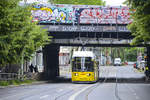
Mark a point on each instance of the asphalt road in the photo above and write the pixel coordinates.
(127, 72)
(102, 90)
(69, 91)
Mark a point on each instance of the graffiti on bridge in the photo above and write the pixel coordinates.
(104, 15)
(52, 14)
(81, 14)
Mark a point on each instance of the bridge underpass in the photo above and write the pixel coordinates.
(51, 51)
(99, 36)
(78, 25)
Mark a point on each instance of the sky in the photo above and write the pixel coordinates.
(114, 2)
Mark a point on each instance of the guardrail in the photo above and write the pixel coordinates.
(8, 76)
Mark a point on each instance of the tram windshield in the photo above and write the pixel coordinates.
(83, 64)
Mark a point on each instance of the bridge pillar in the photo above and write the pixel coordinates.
(51, 61)
(147, 71)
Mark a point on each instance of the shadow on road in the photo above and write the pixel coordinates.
(123, 80)
(60, 80)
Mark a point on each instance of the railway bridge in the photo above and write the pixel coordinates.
(78, 25)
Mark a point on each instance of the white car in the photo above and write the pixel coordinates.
(117, 62)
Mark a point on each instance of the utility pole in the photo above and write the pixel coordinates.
(22, 63)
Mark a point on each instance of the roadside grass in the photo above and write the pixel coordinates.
(15, 82)
(4, 83)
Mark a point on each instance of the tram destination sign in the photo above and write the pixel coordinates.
(85, 28)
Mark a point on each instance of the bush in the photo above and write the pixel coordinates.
(4, 83)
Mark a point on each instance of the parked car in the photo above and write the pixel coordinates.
(117, 62)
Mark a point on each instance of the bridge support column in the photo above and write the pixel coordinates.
(147, 71)
(51, 61)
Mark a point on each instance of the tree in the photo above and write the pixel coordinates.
(140, 25)
(81, 2)
(18, 35)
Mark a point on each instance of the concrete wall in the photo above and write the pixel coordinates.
(51, 61)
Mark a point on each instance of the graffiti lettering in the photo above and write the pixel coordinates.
(87, 28)
(105, 15)
(54, 28)
(51, 15)
(81, 14)
(109, 29)
(123, 29)
(69, 28)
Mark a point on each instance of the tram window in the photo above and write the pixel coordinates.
(88, 64)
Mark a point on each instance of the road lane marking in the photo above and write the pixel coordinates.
(134, 93)
(59, 90)
(77, 93)
(132, 90)
(137, 97)
(45, 96)
(70, 87)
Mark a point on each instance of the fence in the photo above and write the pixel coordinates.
(8, 76)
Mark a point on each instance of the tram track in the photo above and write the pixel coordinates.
(116, 88)
(105, 79)
(56, 98)
(46, 92)
(91, 88)
(64, 94)
(27, 94)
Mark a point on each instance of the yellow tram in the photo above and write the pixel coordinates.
(84, 67)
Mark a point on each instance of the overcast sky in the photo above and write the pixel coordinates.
(114, 2)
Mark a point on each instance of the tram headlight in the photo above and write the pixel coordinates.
(75, 74)
(88, 74)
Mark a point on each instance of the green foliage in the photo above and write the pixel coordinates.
(133, 52)
(80, 2)
(140, 25)
(125, 53)
(18, 35)
(15, 82)
(4, 83)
